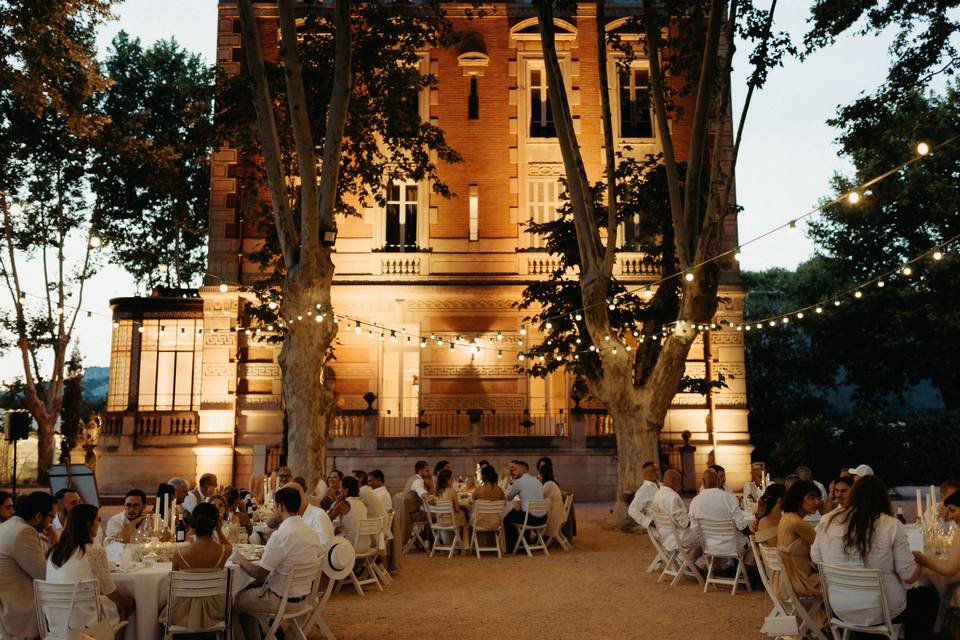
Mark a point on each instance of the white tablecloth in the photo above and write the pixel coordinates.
(148, 587)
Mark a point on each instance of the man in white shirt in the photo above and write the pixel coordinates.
(643, 498)
(713, 503)
(293, 543)
(378, 483)
(315, 517)
(133, 518)
(528, 488)
(668, 502)
(415, 489)
(888, 551)
(206, 487)
(370, 500)
(66, 500)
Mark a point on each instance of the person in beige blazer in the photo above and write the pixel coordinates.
(21, 562)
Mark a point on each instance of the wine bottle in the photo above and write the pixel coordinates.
(900, 516)
(181, 527)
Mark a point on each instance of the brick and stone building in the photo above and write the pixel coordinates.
(189, 394)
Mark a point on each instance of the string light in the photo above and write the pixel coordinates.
(688, 276)
(858, 294)
(162, 267)
(937, 256)
(881, 284)
(853, 197)
(223, 286)
(793, 225)
(907, 270)
(923, 148)
(737, 254)
(95, 242)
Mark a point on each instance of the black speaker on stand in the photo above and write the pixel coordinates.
(16, 427)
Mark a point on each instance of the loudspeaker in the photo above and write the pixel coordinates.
(16, 425)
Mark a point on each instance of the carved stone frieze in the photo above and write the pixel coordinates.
(218, 371)
(219, 339)
(259, 370)
(461, 304)
(467, 371)
(500, 403)
(260, 402)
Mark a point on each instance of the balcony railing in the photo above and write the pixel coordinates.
(498, 424)
(436, 425)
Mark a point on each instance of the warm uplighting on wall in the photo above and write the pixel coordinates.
(473, 199)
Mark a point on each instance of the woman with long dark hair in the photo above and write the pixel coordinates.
(864, 533)
(794, 537)
(445, 491)
(75, 557)
(551, 492)
(769, 511)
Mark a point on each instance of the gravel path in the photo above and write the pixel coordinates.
(599, 590)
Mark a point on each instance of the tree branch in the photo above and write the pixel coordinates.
(663, 128)
(698, 129)
(336, 117)
(270, 141)
(302, 135)
(609, 254)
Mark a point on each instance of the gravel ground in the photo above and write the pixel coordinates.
(598, 590)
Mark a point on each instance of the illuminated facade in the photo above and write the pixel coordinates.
(425, 266)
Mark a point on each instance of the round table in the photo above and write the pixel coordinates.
(148, 587)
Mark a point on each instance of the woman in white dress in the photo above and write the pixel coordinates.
(75, 557)
(351, 510)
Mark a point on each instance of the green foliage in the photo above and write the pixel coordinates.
(897, 336)
(151, 171)
(926, 451)
(385, 139)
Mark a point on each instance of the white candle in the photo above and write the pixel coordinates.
(919, 505)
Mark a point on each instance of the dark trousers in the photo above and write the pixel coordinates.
(921, 613)
(511, 533)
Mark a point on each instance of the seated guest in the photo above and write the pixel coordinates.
(445, 491)
(204, 552)
(133, 518)
(543, 461)
(315, 517)
(75, 557)
(806, 473)
(864, 533)
(790, 480)
(528, 488)
(378, 484)
(334, 478)
(861, 471)
(721, 478)
(437, 468)
(939, 509)
(284, 475)
(66, 500)
(551, 492)
(225, 532)
(6, 506)
(839, 490)
(293, 543)
(22, 562)
(643, 498)
(180, 489)
(236, 508)
(300, 480)
(416, 488)
(668, 502)
(348, 511)
(949, 566)
(488, 490)
(206, 487)
(713, 503)
(752, 487)
(371, 501)
(795, 535)
(769, 512)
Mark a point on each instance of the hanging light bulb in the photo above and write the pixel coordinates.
(423, 343)
(737, 254)
(800, 315)
(853, 197)
(223, 286)
(785, 320)
(627, 348)
(688, 276)
(819, 309)
(611, 305)
(393, 336)
(23, 299)
(140, 329)
(523, 329)
(549, 325)
(521, 356)
(772, 323)
(499, 336)
(592, 348)
(381, 336)
(95, 242)
(923, 148)
(299, 317)
(793, 225)
(318, 317)
(356, 328)
(272, 305)
(606, 337)
(881, 284)
(907, 270)
(578, 317)
(836, 303)
(116, 325)
(937, 255)
(858, 294)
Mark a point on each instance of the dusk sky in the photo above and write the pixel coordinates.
(785, 165)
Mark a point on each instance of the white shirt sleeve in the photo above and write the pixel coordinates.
(680, 516)
(274, 552)
(736, 513)
(189, 503)
(419, 487)
(903, 561)
(115, 525)
(635, 510)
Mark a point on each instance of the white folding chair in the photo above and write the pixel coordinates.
(197, 584)
(492, 508)
(560, 538)
(303, 577)
(417, 530)
(434, 512)
(805, 609)
(715, 537)
(661, 557)
(370, 529)
(863, 585)
(779, 622)
(61, 607)
(387, 535)
(541, 506)
(679, 561)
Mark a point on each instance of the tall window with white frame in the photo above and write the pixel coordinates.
(400, 217)
(636, 120)
(170, 360)
(541, 115)
(543, 200)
